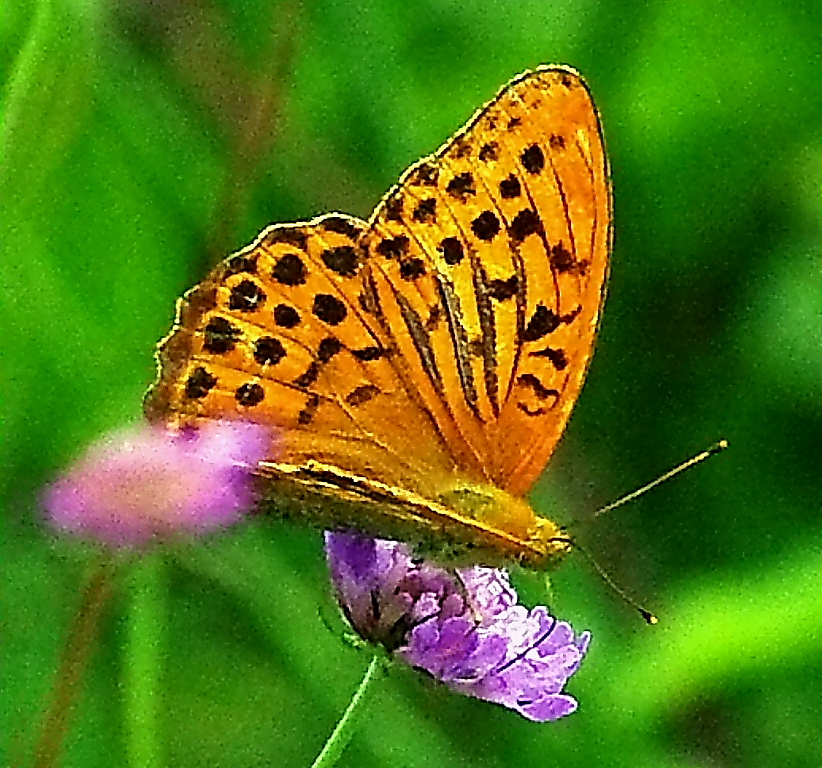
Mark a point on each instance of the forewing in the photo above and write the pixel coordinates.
(488, 264)
(281, 334)
(448, 337)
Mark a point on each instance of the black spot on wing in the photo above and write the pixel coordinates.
(327, 348)
(556, 356)
(542, 322)
(533, 159)
(309, 376)
(542, 392)
(526, 222)
(501, 290)
(249, 394)
(343, 260)
(451, 250)
(290, 270)
(329, 309)
(426, 175)
(393, 247)
(561, 258)
(306, 415)
(220, 336)
(426, 211)
(461, 186)
(361, 394)
(289, 235)
(486, 226)
(239, 264)
(434, 317)
(341, 226)
(367, 354)
(268, 351)
(412, 269)
(545, 321)
(246, 296)
(488, 152)
(199, 384)
(461, 147)
(286, 316)
(510, 187)
(393, 208)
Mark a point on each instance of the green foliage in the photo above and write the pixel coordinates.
(142, 141)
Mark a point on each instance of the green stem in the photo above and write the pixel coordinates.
(68, 684)
(341, 735)
(142, 694)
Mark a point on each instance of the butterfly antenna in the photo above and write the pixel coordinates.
(712, 451)
(649, 617)
(603, 574)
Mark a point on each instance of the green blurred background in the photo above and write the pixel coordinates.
(142, 141)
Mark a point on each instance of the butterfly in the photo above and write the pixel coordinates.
(418, 369)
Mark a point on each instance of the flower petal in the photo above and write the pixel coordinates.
(145, 483)
(464, 627)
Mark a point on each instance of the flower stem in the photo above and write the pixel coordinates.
(68, 684)
(342, 733)
(142, 696)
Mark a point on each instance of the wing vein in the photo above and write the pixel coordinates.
(453, 314)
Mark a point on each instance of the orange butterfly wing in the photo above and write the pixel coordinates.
(448, 338)
(281, 334)
(489, 260)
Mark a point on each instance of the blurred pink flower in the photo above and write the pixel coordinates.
(145, 483)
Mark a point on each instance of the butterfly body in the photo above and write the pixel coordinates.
(467, 524)
(418, 369)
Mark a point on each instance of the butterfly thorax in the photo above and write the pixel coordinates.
(534, 541)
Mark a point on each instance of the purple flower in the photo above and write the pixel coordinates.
(145, 483)
(463, 627)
